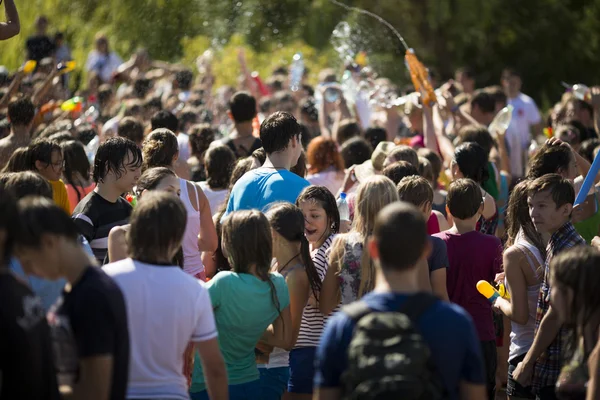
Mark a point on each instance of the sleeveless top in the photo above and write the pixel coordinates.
(521, 336)
(192, 260)
(350, 271)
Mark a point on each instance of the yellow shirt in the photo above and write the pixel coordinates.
(59, 194)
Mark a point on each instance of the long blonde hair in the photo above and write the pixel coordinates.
(371, 197)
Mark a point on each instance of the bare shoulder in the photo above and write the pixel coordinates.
(513, 257)
(118, 232)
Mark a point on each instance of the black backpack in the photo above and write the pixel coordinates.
(387, 356)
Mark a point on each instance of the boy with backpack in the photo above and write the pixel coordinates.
(473, 257)
(418, 347)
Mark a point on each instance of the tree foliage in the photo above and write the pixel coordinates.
(549, 41)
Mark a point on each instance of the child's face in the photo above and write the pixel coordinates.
(544, 213)
(316, 222)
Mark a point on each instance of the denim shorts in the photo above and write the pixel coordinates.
(514, 388)
(302, 370)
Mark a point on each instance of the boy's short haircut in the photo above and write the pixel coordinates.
(464, 198)
(399, 170)
(477, 134)
(484, 101)
(21, 112)
(415, 190)
(405, 153)
(401, 235)
(165, 119)
(434, 159)
(242, 106)
(111, 156)
(130, 128)
(348, 129)
(561, 189)
(277, 130)
(497, 93)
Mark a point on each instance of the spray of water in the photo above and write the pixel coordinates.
(377, 17)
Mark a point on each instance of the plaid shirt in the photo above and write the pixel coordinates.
(548, 365)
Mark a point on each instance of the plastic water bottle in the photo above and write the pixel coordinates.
(502, 120)
(343, 208)
(581, 91)
(296, 72)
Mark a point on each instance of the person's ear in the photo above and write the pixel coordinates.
(373, 249)
(566, 210)
(39, 165)
(230, 115)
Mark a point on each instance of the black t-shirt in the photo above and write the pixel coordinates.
(95, 217)
(39, 47)
(256, 144)
(90, 320)
(26, 361)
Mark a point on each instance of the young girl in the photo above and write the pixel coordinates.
(46, 159)
(249, 302)
(160, 179)
(523, 262)
(77, 172)
(159, 297)
(322, 222)
(160, 149)
(351, 273)
(291, 250)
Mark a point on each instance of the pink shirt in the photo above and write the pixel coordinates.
(72, 193)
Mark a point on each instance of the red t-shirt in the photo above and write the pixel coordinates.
(472, 257)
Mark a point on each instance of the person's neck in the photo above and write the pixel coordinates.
(279, 160)
(466, 225)
(285, 256)
(244, 129)
(21, 132)
(513, 95)
(558, 227)
(317, 245)
(108, 192)
(396, 281)
(75, 262)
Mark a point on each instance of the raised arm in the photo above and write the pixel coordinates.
(12, 26)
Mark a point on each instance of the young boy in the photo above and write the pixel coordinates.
(116, 170)
(473, 257)
(550, 199)
(398, 244)
(47, 160)
(417, 191)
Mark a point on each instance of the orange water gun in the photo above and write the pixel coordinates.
(420, 78)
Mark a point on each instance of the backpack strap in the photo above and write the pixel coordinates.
(356, 310)
(417, 304)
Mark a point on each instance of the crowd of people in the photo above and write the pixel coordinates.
(168, 239)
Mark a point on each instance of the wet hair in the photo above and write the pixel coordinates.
(477, 134)
(277, 130)
(60, 137)
(219, 162)
(41, 150)
(159, 149)
(247, 241)
(560, 188)
(464, 198)
(201, 136)
(404, 153)
(549, 160)
(131, 129)
(39, 216)
(577, 269)
(76, 161)
(300, 168)
(166, 214)
(151, 178)
(375, 135)
(415, 190)
(586, 150)
(111, 156)
(323, 153)
(399, 170)
(287, 220)
(484, 101)
(242, 106)
(21, 112)
(26, 183)
(472, 162)
(347, 129)
(259, 155)
(400, 232)
(356, 151)
(9, 224)
(164, 119)
(435, 161)
(518, 218)
(322, 196)
(19, 161)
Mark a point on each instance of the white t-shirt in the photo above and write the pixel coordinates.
(183, 140)
(166, 310)
(216, 198)
(518, 135)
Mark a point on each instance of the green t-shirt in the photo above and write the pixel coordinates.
(491, 186)
(243, 309)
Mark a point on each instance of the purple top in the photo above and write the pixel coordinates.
(473, 257)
